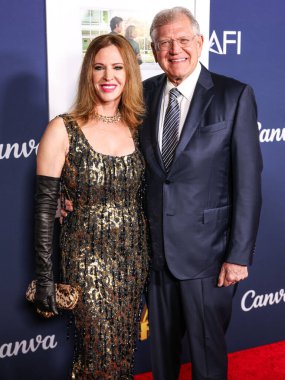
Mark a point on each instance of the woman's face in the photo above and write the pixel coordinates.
(109, 74)
(133, 33)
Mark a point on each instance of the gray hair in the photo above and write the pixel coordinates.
(168, 15)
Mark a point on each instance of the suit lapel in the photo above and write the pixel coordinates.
(154, 105)
(202, 97)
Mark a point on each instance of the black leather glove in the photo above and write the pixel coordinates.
(46, 198)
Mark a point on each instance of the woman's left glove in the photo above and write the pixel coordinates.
(46, 200)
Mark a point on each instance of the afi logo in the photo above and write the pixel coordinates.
(230, 37)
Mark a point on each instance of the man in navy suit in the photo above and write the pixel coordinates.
(204, 208)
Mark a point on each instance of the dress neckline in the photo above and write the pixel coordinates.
(99, 153)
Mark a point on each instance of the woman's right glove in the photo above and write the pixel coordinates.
(46, 200)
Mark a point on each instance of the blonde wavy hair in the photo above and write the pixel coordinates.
(131, 104)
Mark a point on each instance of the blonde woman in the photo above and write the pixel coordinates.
(131, 34)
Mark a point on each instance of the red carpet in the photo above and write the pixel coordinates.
(260, 363)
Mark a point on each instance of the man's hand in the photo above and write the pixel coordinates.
(68, 206)
(230, 274)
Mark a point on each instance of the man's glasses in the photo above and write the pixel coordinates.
(183, 42)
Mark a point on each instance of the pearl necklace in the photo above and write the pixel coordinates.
(108, 119)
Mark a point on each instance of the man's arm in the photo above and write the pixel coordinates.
(68, 207)
(246, 169)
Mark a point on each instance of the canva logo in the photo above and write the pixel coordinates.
(251, 300)
(17, 150)
(230, 42)
(271, 135)
(25, 346)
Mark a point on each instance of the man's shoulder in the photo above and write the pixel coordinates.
(227, 86)
(154, 81)
(226, 81)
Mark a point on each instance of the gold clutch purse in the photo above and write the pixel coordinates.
(66, 297)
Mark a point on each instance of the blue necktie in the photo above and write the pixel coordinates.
(170, 129)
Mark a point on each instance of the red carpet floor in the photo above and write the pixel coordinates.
(260, 363)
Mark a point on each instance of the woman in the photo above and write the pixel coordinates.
(130, 35)
(92, 154)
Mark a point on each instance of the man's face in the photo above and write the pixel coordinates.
(119, 27)
(178, 62)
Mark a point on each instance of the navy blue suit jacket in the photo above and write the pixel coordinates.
(206, 209)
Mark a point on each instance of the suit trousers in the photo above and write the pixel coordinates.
(195, 307)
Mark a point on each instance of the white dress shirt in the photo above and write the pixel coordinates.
(186, 88)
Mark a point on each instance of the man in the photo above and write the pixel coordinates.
(203, 198)
(116, 25)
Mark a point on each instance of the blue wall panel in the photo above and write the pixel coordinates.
(23, 117)
(256, 29)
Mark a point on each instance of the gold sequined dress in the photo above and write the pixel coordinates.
(104, 250)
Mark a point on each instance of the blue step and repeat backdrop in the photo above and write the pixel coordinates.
(246, 41)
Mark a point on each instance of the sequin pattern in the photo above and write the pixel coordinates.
(104, 250)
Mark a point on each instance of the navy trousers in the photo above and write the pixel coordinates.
(195, 307)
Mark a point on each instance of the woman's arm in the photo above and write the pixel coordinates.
(52, 149)
(50, 161)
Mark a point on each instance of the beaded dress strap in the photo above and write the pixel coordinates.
(70, 125)
(136, 138)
